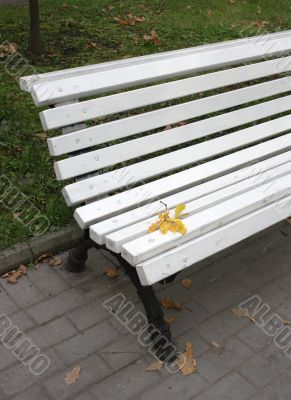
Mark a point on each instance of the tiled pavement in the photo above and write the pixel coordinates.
(63, 315)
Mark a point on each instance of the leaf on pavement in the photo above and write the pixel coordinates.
(186, 362)
(169, 304)
(170, 320)
(187, 283)
(111, 272)
(242, 313)
(215, 345)
(289, 220)
(55, 261)
(13, 276)
(287, 322)
(155, 366)
(73, 375)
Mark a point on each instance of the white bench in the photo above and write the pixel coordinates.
(230, 163)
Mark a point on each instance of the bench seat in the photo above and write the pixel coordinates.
(208, 126)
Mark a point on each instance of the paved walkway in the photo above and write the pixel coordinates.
(63, 315)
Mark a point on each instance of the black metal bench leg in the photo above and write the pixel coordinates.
(79, 254)
(159, 329)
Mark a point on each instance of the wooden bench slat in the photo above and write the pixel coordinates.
(208, 220)
(100, 230)
(117, 239)
(57, 91)
(26, 82)
(95, 186)
(187, 254)
(101, 209)
(90, 109)
(98, 159)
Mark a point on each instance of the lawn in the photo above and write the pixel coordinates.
(82, 32)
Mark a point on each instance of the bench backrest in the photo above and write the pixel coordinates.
(195, 93)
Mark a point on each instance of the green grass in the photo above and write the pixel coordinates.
(68, 29)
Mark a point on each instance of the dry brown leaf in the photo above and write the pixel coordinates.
(287, 322)
(170, 320)
(7, 48)
(186, 362)
(73, 375)
(210, 13)
(55, 261)
(91, 45)
(131, 20)
(232, 1)
(14, 275)
(111, 272)
(44, 257)
(242, 313)
(187, 283)
(169, 304)
(155, 366)
(260, 24)
(41, 136)
(259, 10)
(153, 37)
(289, 220)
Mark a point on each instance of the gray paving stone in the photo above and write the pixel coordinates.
(265, 366)
(24, 293)
(55, 306)
(176, 387)
(34, 393)
(126, 383)
(272, 295)
(122, 352)
(284, 282)
(7, 304)
(221, 294)
(188, 318)
(215, 363)
(22, 320)
(254, 337)
(85, 396)
(52, 333)
(231, 387)
(277, 390)
(47, 280)
(221, 325)
(10, 385)
(93, 369)
(90, 314)
(7, 358)
(87, 342)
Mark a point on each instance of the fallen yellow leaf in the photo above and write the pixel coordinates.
(187, 283)
(169, 304)
(13, 276)
(155, 366)
(111, 272)
(242, 313)
(169, 320)
(186, 362)
(73, 375)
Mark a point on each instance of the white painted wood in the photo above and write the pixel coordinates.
(208, 220)
(117, 239)
(90, 109)
(101, 158)
(26, 82)
(54, 91)
(184, 256)
(121, 202)
(255, 171)
(175, 159)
